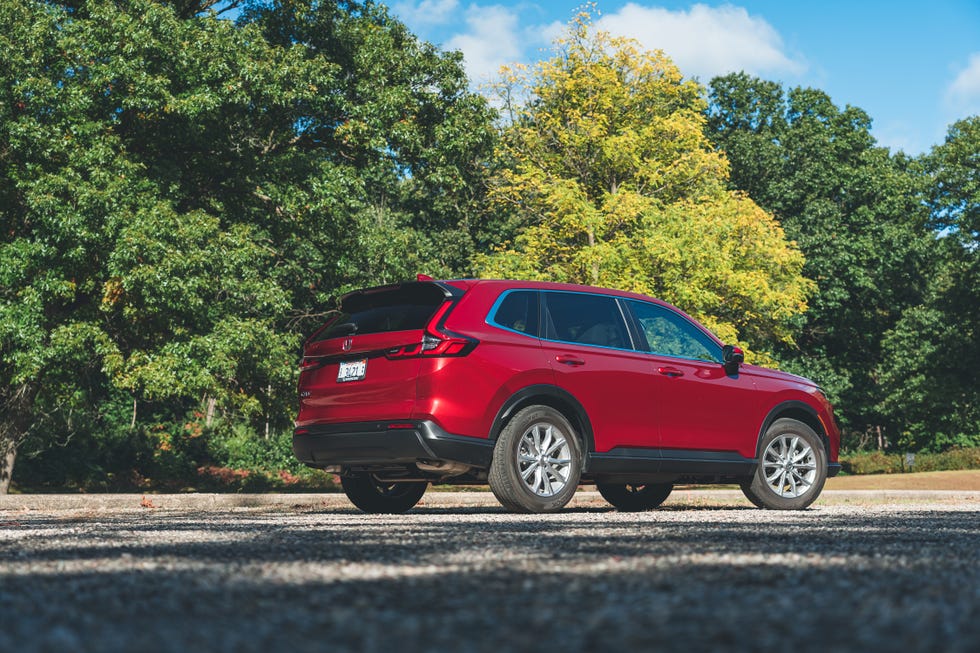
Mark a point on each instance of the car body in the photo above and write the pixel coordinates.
(424, 381)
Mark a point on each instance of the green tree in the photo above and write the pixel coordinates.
(857, 213)
(605, 165)
(180, 194)
(933, 352)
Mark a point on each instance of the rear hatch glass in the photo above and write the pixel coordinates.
(408, 307)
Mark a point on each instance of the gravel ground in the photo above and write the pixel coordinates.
(704, 573)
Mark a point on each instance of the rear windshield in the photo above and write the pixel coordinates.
(398, 308)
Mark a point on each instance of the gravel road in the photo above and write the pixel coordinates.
(704, 573)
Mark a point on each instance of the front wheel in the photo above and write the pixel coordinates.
(635, 498)
(537, 461)
(375, 496)
(792, 468)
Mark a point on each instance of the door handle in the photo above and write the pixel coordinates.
(569, 359)
(670, 371)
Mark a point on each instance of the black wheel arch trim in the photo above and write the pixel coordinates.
(791, 409)
(548, 395)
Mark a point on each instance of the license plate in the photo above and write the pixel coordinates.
(351, 371)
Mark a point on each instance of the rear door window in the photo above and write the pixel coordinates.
(585, 319)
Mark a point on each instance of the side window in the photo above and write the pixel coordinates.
(669, 334)
(518, 312)
(586, 319)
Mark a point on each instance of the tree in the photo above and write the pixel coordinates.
(606, 167)
(181, 194)
(857, 213)
(933, 352)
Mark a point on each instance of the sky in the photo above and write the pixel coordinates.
(914, 67)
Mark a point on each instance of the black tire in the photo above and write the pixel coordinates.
(374, 496)
(635, 498)
(552, 474)
(792, 467)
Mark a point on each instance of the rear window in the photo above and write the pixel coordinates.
(408, 307)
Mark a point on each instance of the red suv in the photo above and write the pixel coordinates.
(537, 387)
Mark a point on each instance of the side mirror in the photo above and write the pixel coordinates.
(733, 357)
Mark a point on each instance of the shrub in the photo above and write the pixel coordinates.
(879, 462)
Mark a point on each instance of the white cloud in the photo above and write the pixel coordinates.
(424, 12)
(493, 39)
(706, 41)
(964, 92)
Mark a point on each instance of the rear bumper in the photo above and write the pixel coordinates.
(833, 469)
(377, 443)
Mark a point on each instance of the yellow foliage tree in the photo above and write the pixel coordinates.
(605, 163)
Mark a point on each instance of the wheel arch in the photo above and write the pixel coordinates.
(554, 397)
(801, 412)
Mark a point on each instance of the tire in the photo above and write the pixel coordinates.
(792, 467)
(377, 497)
(635, 498)
(537, 462)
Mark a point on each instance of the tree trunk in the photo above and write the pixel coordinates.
(209, 417)
(8, 454)
(17, 404)
(595, 264)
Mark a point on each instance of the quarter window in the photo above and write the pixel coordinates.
(585, 319)
(519, 312)
(669, 334)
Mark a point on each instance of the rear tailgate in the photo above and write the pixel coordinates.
(360, 365)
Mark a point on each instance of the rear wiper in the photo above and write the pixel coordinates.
(345, 329)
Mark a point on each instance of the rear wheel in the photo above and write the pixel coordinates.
(537, 461)
(375, 496)
(792, 468)
(635, 498)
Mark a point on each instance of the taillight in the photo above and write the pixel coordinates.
(436, 341)
(309, 363)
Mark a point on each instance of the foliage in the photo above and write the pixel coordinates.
(107, 454)
(605, 165)
(858, 215)
(879, 462)
(180, 194)
(934, 350)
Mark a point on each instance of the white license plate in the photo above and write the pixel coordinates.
(351, 371)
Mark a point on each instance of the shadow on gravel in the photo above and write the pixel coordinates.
(483, 580)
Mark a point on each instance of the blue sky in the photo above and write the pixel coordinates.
(913, 66)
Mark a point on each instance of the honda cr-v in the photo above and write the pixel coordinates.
(535, 388)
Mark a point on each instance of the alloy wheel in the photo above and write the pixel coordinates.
(544, 459)
(789, 466)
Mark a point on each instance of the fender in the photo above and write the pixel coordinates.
(548, 395)
(793, 409)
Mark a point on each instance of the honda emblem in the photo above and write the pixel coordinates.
(348, 343)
